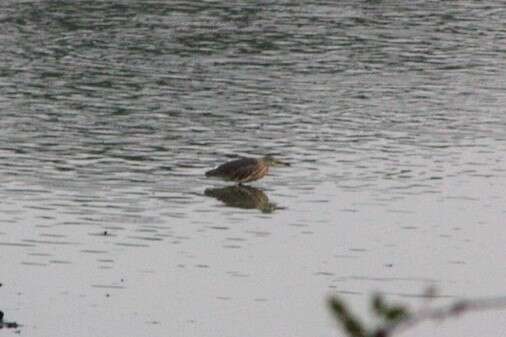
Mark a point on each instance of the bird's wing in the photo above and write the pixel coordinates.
(244, 172)
(230, 167)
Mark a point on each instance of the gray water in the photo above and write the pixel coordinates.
(391, 114)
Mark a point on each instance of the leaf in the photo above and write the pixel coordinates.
(351, 325)
(386, 312)
(378, 305)
(396, 313)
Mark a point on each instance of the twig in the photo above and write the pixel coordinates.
(437, 314)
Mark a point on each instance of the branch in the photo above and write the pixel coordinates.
(397, 318)
(438, 314)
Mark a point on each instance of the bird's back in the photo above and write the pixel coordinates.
(241, 170)
(230, 169)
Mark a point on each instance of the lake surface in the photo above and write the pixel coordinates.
(392, 115)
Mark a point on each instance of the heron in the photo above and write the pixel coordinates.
(244, 170)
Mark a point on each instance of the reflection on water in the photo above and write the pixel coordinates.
(242, 196)
(110, 113)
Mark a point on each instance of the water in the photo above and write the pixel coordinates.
(391, 114)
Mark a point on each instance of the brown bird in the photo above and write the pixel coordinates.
(245, 169)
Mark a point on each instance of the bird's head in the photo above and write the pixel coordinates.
(271, 161)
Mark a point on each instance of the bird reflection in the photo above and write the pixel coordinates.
(241, 196)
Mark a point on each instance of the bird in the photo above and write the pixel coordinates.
(244, 170)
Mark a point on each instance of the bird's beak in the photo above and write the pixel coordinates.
(282, 163)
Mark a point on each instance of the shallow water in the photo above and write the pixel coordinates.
(392, 116)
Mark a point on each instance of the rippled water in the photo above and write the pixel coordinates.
(391, 114)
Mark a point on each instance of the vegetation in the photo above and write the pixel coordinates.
(390, 319)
